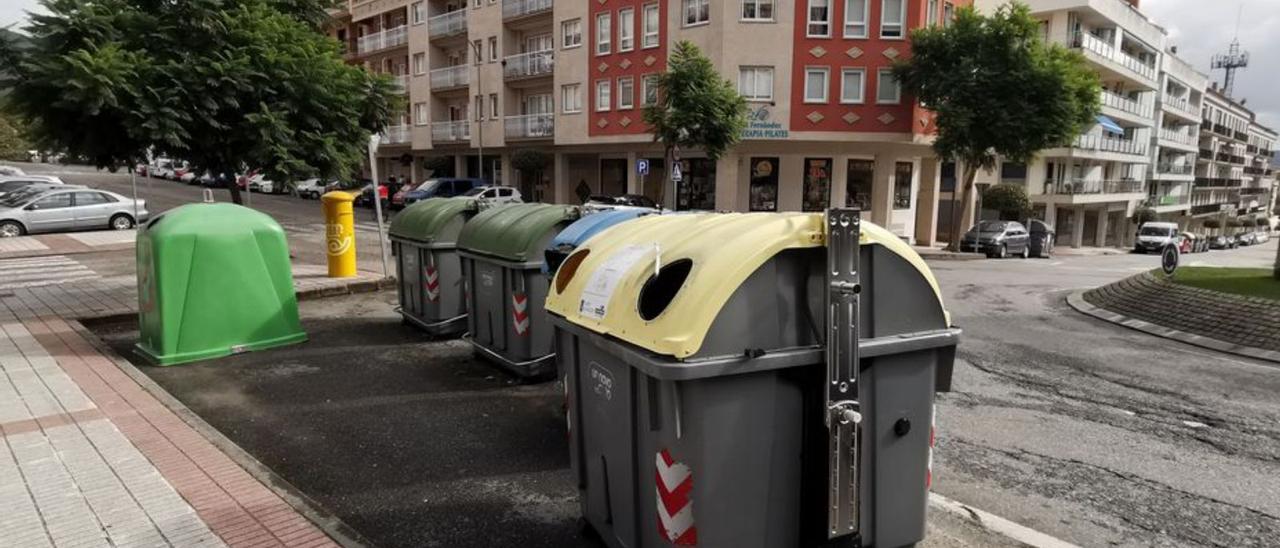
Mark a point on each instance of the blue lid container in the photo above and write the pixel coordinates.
(582, 230)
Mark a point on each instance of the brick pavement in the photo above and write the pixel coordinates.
(89, 458)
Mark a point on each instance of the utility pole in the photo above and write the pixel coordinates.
(479, 49)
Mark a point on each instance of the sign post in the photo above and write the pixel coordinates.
(374, 140)
(642, 167)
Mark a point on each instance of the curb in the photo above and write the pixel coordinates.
(362, 286)
(1076, 300)
(997, 524)
(952, 256)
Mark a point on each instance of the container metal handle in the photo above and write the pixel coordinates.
(842, 408)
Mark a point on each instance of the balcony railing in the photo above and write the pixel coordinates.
(395, 135)
(1170, 200)
(526, 65)
(1124, 186)
(1240, 135)
(447, 24)
(1111, 144)
(512, 9)
(383, 39)
(1180, 104)
(1176, 169)
(1253, 191)
(1087, 41)
(445, 132)
(450, 77)
(1216, 182)
(1178, 137)
(1126, 104)
(400, 82)
(531, 126)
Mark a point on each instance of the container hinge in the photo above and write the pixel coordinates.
(843, 412)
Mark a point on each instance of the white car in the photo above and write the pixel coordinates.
(310, 188)
(9, 171)
(489, 196)
(260, 183)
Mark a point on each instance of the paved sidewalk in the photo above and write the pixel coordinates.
(90, 458)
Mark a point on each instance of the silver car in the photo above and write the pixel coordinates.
(55, 208)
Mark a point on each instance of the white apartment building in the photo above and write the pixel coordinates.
(1233, 170)
(1176, 142)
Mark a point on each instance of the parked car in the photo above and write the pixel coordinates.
(53, 208)
(1222, 242)
(495, 195)
(1262, 237)
(1246, 238)
(1154, 236)
(310, 188)
(9, 171)
(1041, 238)
(625, 201)
(998, 239)
(446, 187)
(260, 183)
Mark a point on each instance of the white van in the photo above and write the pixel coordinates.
(1154, 236)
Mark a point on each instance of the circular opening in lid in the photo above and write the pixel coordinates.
(660, 290)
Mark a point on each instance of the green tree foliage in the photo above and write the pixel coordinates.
(225, 84)
(1260, 221)
(1212, 223)
(437, 164)
(530, 161)
(13, 141)
(696, 107)
(998, 90)
(1144, 215)
(1009, 199)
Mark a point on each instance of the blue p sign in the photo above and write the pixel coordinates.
(642, 166)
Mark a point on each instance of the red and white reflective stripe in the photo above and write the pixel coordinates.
(432, 285)
(933, 438)
(675, 500)
(520, 312)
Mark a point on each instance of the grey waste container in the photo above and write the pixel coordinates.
(424, 241)
(502, 256)
(711, 402)
(1041, 238)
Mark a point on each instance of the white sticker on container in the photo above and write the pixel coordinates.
(604, 281)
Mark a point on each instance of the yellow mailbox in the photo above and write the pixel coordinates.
(340, 233)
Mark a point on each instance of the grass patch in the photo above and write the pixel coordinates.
(1249, 282)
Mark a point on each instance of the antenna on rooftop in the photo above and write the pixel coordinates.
(1235, 58)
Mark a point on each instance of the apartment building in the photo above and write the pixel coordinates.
(485, 79)
(1175, 144)
(1233, 168)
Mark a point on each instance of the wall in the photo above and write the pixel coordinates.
(635, 64)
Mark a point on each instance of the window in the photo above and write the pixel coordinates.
(626, 93)
(819, 19)
(57, 201)
(756, 83)
(697, 12)
(603, 100)
(493, 48)
(604, 34)
(479, 108)
(764, 184)
(571, 33)
(932, 15)
(651, 26)
(757, 10)
(859, 180)
(420, 114)
(626, 29)
(887, 90)
(419, 10)
(419, 63)
(855, 18)
(649, 89)
(477, 47)
(892, 15)
(1013, 172)
(948, 13)
(571, 98)
(852, 82)
(91, 199)
(817, 184)
(493, 106)
(815, 85)
(902, 185)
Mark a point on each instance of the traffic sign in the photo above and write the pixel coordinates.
(642, 166)
(676, 174)
(1169, 259)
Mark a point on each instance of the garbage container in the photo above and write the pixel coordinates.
(502, 255)
(424, 240)
(582, 230)
(1040, 238)
(711, 401)
(213, 280)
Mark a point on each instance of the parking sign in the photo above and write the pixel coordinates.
(642, 166)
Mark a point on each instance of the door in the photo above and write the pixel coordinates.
(92, 210)
(540, 42)
(50, 213)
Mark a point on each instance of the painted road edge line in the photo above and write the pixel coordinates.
(1076, 300)
(997, 524)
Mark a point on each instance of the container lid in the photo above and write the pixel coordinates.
(599, 286)
(208, 218)
(515, 232)
(583, 229)
(424, 220)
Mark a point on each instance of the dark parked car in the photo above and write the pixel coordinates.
(1246, 238)
(997, 239)
(444, 187)
(602, 202)
(1222, 242)
(1042, 238)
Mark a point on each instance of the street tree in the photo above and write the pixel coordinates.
(531, 164)
(228, 85)
(13, 140)
(998, 91)
(1009, 199)
(1144, 215)
(696, 108)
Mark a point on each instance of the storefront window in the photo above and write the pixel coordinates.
(697, 189)
(858, 187)
(902, 185)
(764, 184)
(817, 184)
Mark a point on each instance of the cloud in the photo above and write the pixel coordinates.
(13, 12)
(1200, 29)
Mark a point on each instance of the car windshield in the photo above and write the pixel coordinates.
(991, 226)
(20, 197)
(1155, 231)
(475, 191)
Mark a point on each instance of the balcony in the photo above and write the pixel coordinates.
(400, 82)
(394, 135)
(388, 38)
(1074, 187)
(447, 24)
(1126, 104)
(512, 9)
(531, 126)
(1216, 182)
(1179, 137)
(528, 65)
(1179, 105)
(450, 77)
(1208, 208)
(1169, 200)
(451, 132)
(1240, 135)
(1253, 191)
(1110, 144)
(1175, 169)
(1098, 46)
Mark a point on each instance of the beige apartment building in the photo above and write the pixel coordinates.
(1234, 176)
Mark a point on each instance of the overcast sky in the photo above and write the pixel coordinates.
(1197, 27)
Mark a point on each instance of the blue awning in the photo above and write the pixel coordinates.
(1110, 125)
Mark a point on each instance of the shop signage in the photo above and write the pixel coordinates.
(760, 125)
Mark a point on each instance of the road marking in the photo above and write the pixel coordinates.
(42, 271)
(24, 243)
(105, 237)
(997, 524)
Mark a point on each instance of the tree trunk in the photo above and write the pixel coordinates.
(970, 173)
(669, 158)
(1276, 269)
(234, 187)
